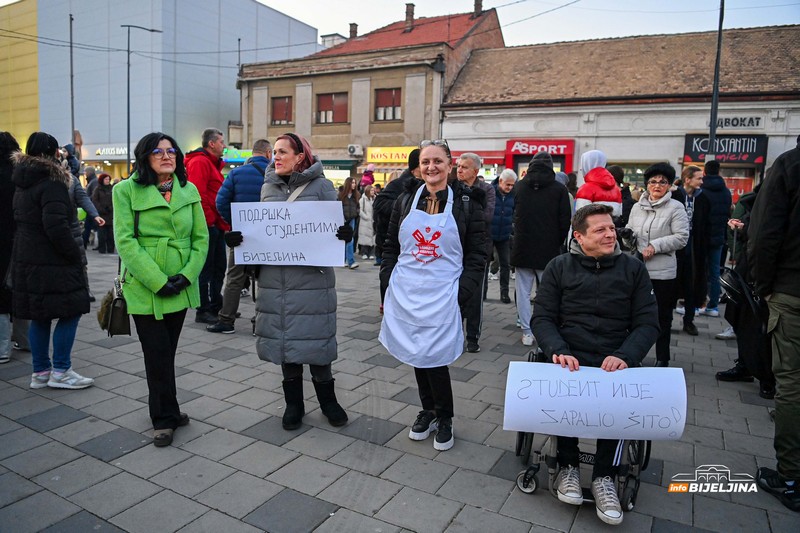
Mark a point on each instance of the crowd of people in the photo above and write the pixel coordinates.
(598, 272)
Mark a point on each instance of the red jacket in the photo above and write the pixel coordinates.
(204, 171)
(600, 188)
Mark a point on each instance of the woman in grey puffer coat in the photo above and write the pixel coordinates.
(662, 228)
(296, 305)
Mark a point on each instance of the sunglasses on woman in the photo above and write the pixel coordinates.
(435, 142)
(169, 153)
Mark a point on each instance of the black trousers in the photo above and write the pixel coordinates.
(473, 309)
(435, 391)
(692, 283)
(664, 290)
(503, 256)
(606, 458)
(105, 239)
(159, 339)
(212, 276)
(319, 373)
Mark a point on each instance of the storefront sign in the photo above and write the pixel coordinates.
(534, 146)
(746, 122)
(110, 151)
(738, 187)
(751, 149)
(389, 154)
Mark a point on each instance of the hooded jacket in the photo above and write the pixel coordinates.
(591, 308)
(664, 225)
(541, 218)
(600, 187)
(296, 305)
(243, 184)
(6, 231)
(719, 197)
(503, 220)
(204, 170)
(47, 278)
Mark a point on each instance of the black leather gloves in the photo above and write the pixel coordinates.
(233, 238)
(174, 285)
(345, 233)
(180, 281)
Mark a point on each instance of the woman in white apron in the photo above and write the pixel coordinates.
(433, 261)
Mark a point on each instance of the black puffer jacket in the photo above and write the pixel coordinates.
(719, 197)
(6, 231)
(592, 308)
(468, 213)
(541, 218)
(48, 280)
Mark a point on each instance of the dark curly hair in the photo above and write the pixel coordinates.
(145, 175)
(8, 145)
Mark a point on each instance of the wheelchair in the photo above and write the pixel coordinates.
(634, 461)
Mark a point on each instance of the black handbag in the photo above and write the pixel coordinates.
(113, 313)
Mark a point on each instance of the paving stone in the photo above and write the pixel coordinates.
(11, 394)
(431, 513)
(461, 374)
(507, 467)
(114, 495)
(656, 501)
(114, 444)
(402, 443)
(26, 407)
(365, 457)
(307, 475)
(346, 521)
(82, 522)
(36, 512)
(372, 429)
(52, 418)
(218, 444)
(717, 515)
(214, 522)
(75, 476)
(41, 459)
(14, 370)
(470, 455)
(204, 407)
(271, 430)
(477, 489)
(360, 492)
(237, 418)
(541, 509)
(272, 516)
(138, 420)
(255, 398)
(221, 389)
(588, 522)
(85, 397)
(472, 519)
(375, 406)
(148, 461)
(238, 494)
(419, 473)
(19, 440)
(116, 380)
(113, 408)
(260, 458)
(166, 511)
(319, 443)
(666, 526)
(476, 431)
(192, 476)
(410, 396)
(224, 354)
(14, 487)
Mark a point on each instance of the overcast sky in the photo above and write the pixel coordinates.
(584, 19)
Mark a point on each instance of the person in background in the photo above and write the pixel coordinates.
(162, 239)
(692, 260)
(349, 197)
(101, 198)
(296, 305)
(434, 261)
(563, 179)
(204, 170)
(662, 229)
(88, 224)
(243, 184)
(8, 146)
(716, 192)
(49, 282)
(366, 229)
(572, 186)
(382, 207)
(599, 187)
(368, 178)
(627, 200)
(502, 227)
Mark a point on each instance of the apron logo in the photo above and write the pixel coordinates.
(426, 250)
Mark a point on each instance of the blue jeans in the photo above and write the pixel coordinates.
(213, 274)
(712, 264)
(349, 255)
(63, 339)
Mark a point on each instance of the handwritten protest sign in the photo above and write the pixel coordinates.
(288, 233)
(635, 403)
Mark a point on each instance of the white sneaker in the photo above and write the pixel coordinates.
(606, 500)
(245, 292)
(353, 266)
(569, 486)
(365, 257)
(706, 311)
(68, 379)
(493, 277)
(727, 335)
(39, 379)
(513, 275)
(527, 339)
(680, 310)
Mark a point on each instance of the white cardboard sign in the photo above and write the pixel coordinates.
(634, 404)
(288, 233)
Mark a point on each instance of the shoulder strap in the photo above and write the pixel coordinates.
(136, 224)
(263, 170)
(296, 192)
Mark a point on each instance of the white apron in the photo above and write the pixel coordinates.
(421, 318)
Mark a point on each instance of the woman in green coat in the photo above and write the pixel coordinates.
(162, 241)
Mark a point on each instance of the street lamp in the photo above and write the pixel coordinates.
(128, 145)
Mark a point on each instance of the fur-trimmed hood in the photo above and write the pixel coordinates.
(29, 171)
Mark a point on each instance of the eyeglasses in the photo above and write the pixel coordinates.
(661, 183)
(169, 153)
(435, 142)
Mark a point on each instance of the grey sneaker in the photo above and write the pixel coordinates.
(39, 379)
(607, 501)
(569, 485)
(727, 335)
(69, 379)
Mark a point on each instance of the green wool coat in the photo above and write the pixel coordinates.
(173, 239)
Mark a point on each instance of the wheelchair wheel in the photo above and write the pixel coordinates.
(629, 493)
(527, 483)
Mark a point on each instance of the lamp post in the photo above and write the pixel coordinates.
(712, 133)
(128, 145)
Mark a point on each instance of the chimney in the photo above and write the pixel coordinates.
(409, 18)
(353, 30)
(478, 9)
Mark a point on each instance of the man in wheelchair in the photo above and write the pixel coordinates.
(594, 307)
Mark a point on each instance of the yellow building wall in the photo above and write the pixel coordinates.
(19, 70)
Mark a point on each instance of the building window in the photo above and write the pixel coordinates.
(331, 108)
(387, 104)
(281, 110)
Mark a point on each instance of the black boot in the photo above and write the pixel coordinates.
(293, 393)
(504, 297)
(738, 373)
(327, 402)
